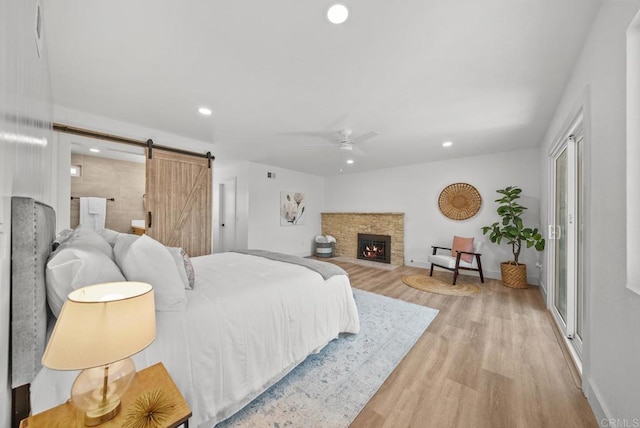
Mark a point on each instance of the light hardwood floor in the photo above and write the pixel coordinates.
(491, 360)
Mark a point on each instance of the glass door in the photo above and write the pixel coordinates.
(559, 233)
(580, 297)
(566, 234)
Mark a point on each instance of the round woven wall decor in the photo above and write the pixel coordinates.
(459, 201)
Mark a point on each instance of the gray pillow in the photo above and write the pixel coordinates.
(62, 237)
(185, 267)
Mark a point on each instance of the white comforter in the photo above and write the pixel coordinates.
(248, 322)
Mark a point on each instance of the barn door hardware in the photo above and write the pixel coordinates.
(150, 148)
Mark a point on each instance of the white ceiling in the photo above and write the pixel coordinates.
(486, 74)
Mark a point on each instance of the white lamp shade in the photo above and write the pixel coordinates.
(101, 324)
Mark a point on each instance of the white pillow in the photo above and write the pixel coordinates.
(146, 260)
(109, 235)
(125, 239)
(71, 268)
(83, 237)
(184, 265)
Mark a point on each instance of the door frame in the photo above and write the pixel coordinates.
(575, 126)
(231, 181)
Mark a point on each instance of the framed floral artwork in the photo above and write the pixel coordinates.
(292, 206)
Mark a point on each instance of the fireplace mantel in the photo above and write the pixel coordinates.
(345, 226)
(359, 214)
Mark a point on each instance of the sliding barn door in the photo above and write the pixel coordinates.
(178, 197)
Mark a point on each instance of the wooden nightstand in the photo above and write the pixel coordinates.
(138, 230)
(68, 416)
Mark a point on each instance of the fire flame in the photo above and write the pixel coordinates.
(373, 251)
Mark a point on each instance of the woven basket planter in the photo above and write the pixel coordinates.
(514, 276)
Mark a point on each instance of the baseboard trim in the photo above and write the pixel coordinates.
(576, 372)
(492, 274)
(596, 402)
(543, 291)
(421, 265)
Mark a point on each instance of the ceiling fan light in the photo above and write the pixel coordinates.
(337, 13)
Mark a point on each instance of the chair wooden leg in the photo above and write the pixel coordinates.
(455, 271)
(431, 271)
(480, 269)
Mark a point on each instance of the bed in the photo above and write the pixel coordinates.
(248, 321)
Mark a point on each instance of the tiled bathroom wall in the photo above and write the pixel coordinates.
(109, 178)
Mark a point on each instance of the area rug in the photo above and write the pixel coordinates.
(434, 285)
(330, 388)
(367, 263)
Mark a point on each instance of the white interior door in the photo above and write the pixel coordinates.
(227, 226)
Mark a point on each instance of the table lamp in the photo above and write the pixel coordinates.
(99, 327)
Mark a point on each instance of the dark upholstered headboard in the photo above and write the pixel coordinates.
(33, 229)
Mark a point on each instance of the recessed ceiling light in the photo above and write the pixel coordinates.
(337, 13)
(94, 150)
(205, 111)
(350, 161)
(447, 144)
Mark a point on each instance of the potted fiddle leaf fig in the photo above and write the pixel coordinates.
(514, 233)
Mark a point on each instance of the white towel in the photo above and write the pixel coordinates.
(93, 213)
(96, 204)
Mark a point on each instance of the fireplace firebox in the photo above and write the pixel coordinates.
(376, 248)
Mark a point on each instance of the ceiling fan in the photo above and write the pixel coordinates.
(344, 141)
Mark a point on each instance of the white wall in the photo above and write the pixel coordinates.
(414, 190)
(633, 153)
(611, 373)
(26, 169)
(265, 231)
(63, 208)
(258, 207)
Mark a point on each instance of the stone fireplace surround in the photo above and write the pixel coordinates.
(346, 226)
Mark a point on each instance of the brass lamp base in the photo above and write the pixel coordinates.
(101, 415)
(97, 390)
